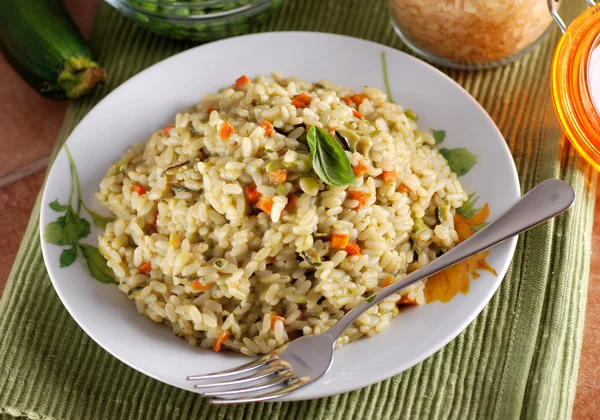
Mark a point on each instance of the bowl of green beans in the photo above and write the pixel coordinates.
(197, 20)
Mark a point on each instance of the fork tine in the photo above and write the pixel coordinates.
(298, 383)
(248, 367)
(272, 370)
(273, 382)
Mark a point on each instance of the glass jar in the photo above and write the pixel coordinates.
(470, 34)
(575, 80)
(197, 20)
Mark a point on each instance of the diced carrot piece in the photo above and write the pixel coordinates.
(196, 285)
(268, 127)
(278, 176)
(242, 80)
(357, 114)
(274, 319)
(167, 129)
(358, 98)
(404, 300)
(359, 196)
(252, 195)
(338, 241)
(332, 132)
(139, 189)
(226, 131)
(389, 176)
(346, 100)
(265, 204)
(304, 98)
(353, 249)
(292, 199)
(210, 109)
(403, 189)
(146, 268)
(217, 345)
(298, 104)
(387, 281)
(359, 169)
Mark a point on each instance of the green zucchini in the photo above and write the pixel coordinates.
(40, 41)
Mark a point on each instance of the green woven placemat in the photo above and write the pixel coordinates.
(518, 359)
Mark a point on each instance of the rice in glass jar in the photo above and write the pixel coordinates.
(470, 34)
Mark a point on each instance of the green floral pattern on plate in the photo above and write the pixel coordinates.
(69, 229)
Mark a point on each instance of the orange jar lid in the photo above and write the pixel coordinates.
(575, 80)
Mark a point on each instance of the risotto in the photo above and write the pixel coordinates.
(272, 208)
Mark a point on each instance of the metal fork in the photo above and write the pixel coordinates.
(303, 361)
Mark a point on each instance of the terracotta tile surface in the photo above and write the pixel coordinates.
(30, 124)
(16, 201)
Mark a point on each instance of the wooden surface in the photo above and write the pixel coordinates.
(29, 125)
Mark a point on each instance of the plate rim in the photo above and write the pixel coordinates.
(394, 370)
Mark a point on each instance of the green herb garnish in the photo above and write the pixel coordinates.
(220, 263)
(133, 290)
(179, 165)
(177, 188)
(329, 160)
(343, 140)
(311, 257)
(371, 299)
(411, 114)
(189, 277)
(120, 167)
(460, 160)
(438, 136)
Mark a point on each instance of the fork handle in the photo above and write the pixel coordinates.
(545, 201)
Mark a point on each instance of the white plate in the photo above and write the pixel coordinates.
(149, 101)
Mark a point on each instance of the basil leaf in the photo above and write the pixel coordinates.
(329, 160)
(460, 160)
(439, 136)
(97, 264)
(68, 256)
(56, 206)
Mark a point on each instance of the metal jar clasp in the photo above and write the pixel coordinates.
(554, 13)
